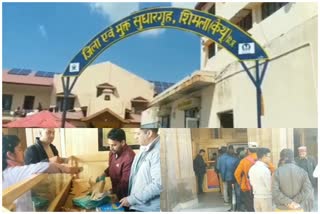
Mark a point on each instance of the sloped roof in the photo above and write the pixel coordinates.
(139, 99)
(43, 119)
(106, 86)
(102, 112)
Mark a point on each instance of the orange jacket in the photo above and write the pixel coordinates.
(241, 173)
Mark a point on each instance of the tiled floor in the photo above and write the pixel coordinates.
(209, 202)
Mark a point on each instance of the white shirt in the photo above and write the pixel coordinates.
(260, 180)
(147, 147)
(13, 175)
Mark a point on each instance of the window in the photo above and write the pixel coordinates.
(191, 118)
(165, 121)
(70, 103)
(211, 50)
(107, 97)
(28, 102)
(104, 91)
(6, 102)
(269, 8)
(246, 22)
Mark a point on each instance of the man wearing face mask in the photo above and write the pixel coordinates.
(120, 160)
(43, 150)
(145, 176)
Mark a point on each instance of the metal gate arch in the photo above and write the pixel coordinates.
(237, 42)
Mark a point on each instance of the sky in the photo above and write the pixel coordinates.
(46, 36)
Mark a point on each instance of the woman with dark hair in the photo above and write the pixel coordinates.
(14, 170)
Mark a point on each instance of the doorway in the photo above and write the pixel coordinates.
(28, 102)
(226, 119)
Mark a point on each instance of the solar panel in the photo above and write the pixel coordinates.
(24, 72)
(14, 71)
(45, 74)
(50, 74)
(40, 73)
(161, 86)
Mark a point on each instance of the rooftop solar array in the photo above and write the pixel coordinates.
(18, 71)
(26, 72)
(161, 86)
(44, 74)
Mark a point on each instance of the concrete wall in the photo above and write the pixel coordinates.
(125, 82)
(41, 94)
(178, 179)
(290, 38)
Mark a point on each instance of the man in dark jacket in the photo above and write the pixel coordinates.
(199, 167)
(120, 160)
(291, 187)
(43, 150)
(307, 163)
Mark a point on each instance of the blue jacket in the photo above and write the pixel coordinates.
(227, 165)
(145, 180)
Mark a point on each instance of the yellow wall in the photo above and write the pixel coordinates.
(83, 144)
(203, 138)
(21, 133)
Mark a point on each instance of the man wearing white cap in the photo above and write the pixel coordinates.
(307, 163)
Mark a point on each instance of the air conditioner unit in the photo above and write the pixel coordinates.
(191, 122)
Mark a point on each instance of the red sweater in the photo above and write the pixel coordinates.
(119, 171)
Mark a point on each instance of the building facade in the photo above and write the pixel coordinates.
(104, 95)
(288, 33)
(24, 93)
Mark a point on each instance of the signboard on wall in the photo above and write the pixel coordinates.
(189, 103)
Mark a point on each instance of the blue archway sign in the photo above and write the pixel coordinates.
(237, 42)
(221, 31)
